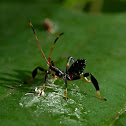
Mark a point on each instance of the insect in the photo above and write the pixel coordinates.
(73, 72)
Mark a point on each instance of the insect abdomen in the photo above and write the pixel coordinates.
(77, 67)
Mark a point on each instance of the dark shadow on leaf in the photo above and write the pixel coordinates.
(18, 79)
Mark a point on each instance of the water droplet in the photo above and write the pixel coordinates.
(75, 109)
(85, 112)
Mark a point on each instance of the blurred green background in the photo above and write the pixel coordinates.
(94, 30)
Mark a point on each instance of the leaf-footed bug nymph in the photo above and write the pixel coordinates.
(73, 72)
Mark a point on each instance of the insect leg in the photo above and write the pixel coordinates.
(34, 73)
(52, 48)
(68, 62)
(44, 81)
(66, 89)
(95, 83)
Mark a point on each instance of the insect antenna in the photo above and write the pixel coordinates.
(38, 41)
(52, 47)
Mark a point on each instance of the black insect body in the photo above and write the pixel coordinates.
(77, 68)
(73, 72)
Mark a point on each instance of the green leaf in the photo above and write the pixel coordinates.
(98, 38)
